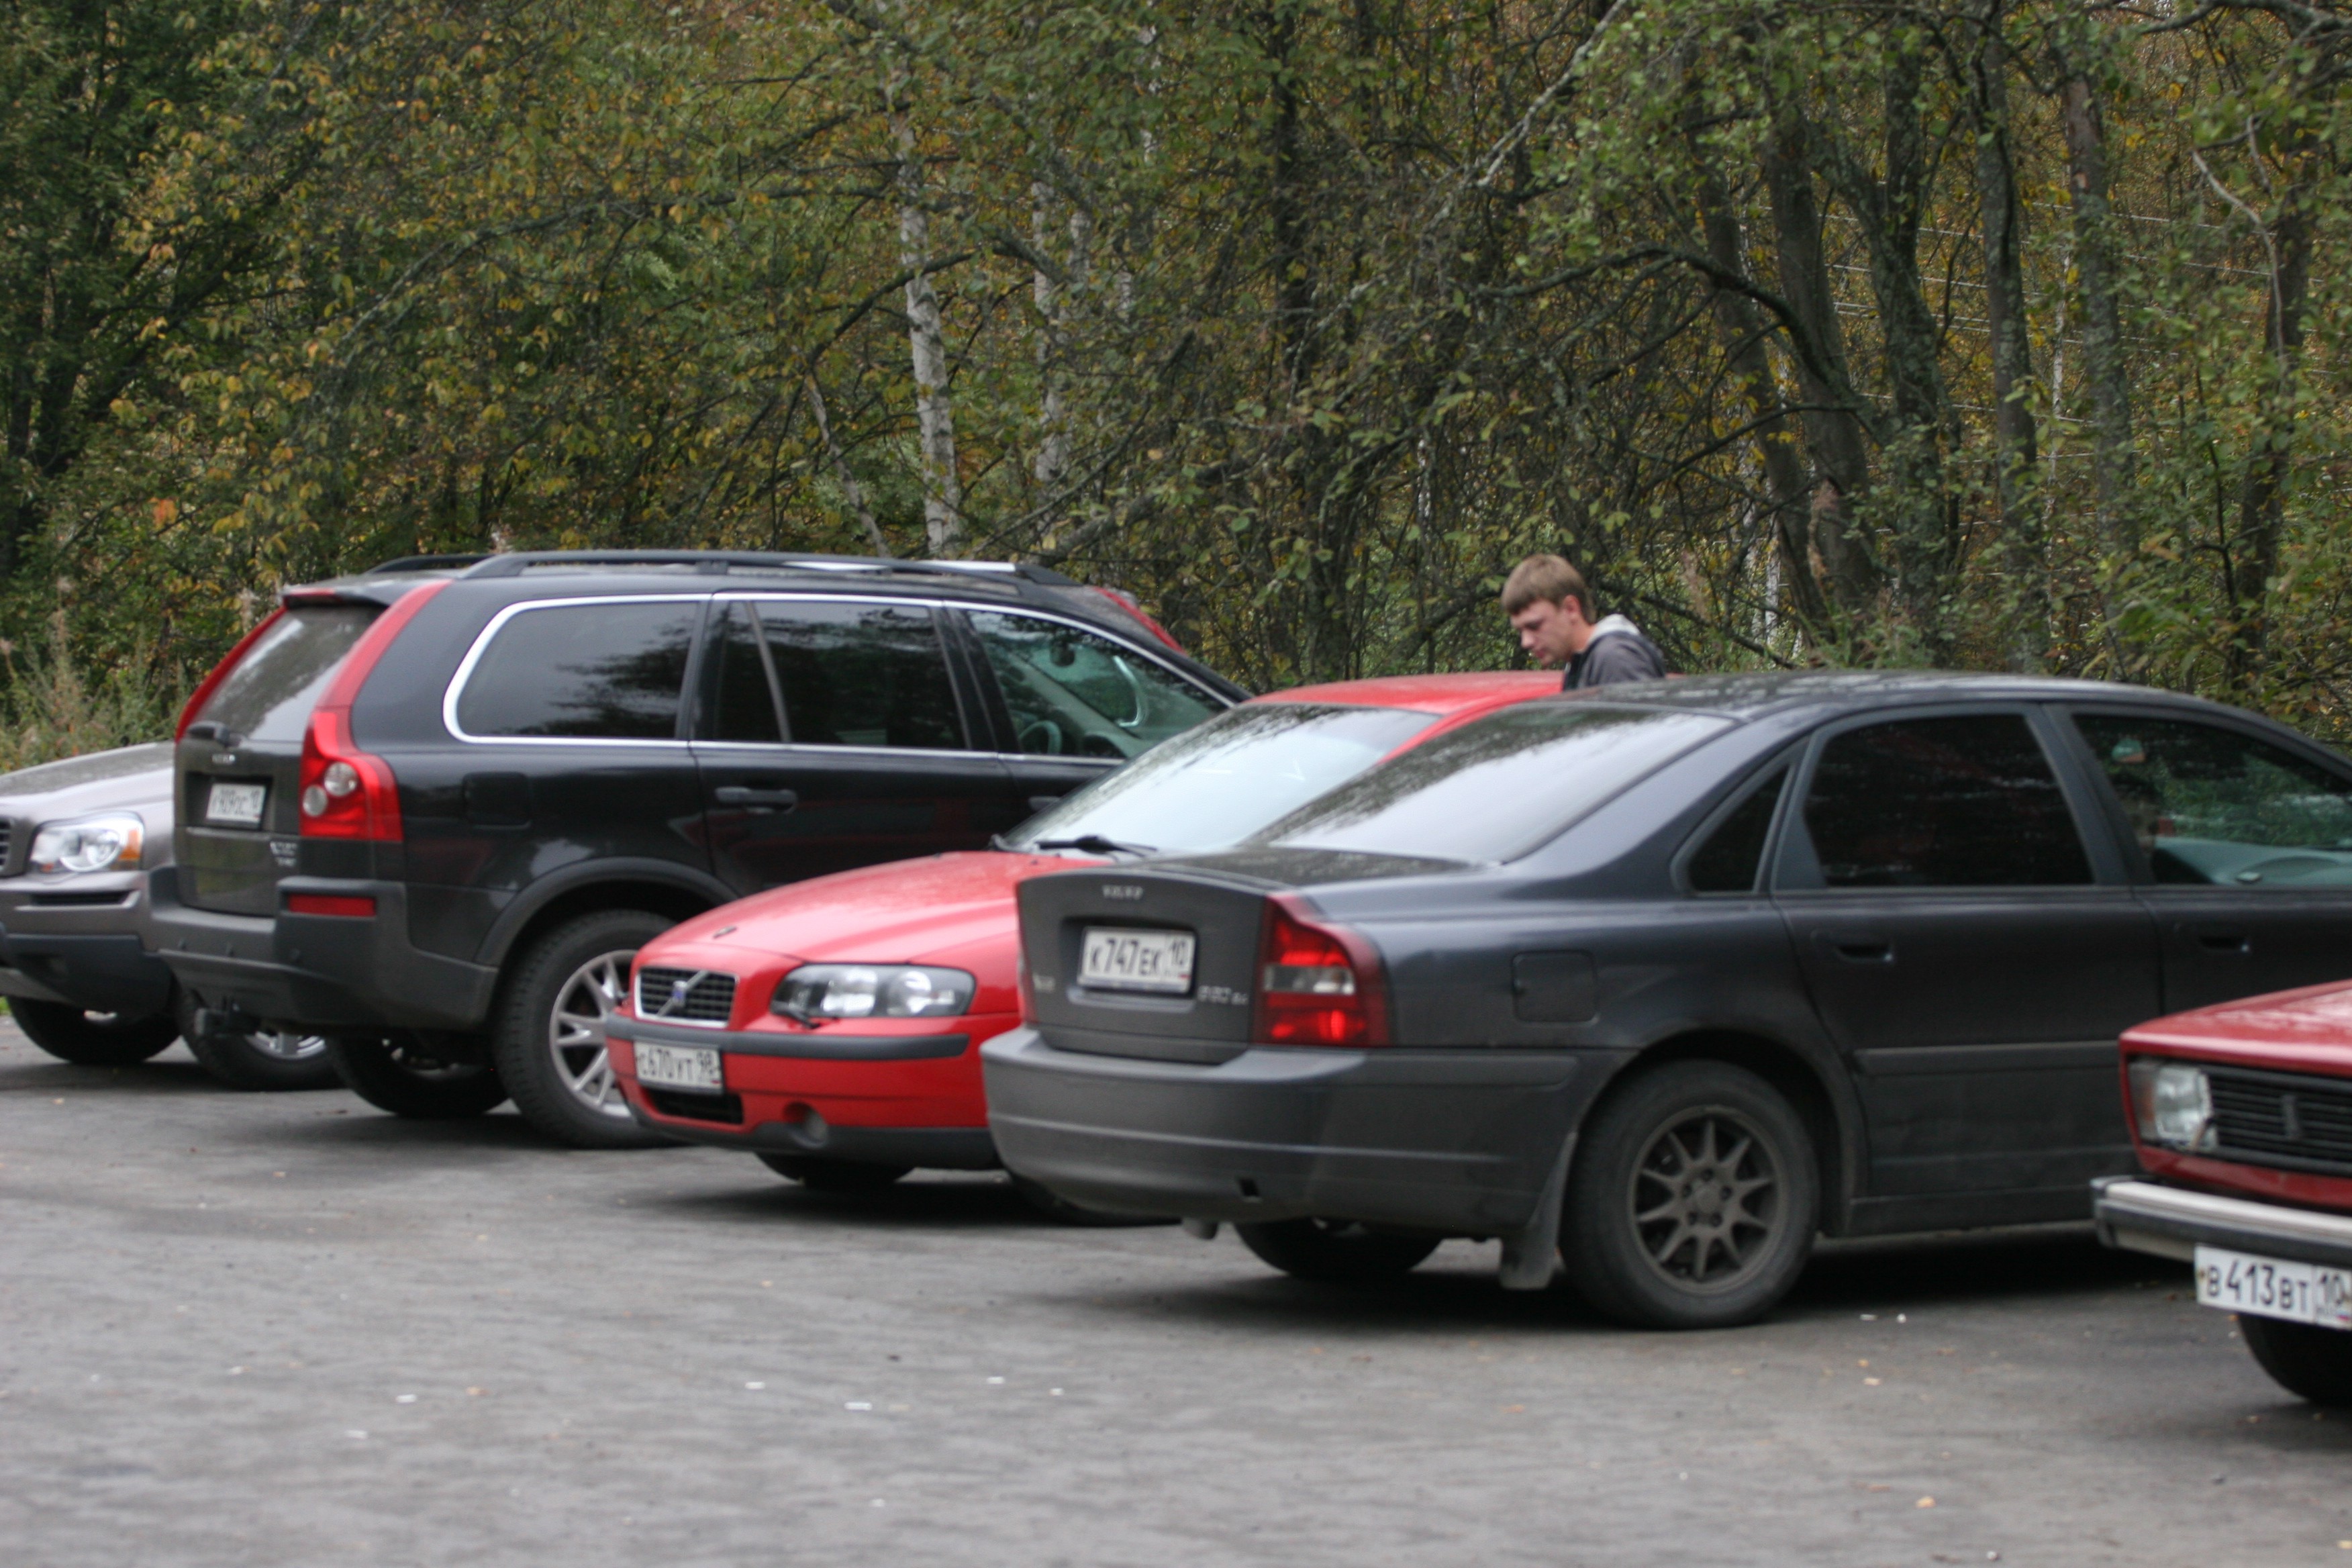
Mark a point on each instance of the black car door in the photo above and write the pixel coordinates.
(2244, 851)
(834, 734)
(1972, 953)
(1075, 703)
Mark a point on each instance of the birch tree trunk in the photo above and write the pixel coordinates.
(934, 415)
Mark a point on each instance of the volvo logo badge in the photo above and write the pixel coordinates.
(223, 759)
(1121, 891)
(678, 989)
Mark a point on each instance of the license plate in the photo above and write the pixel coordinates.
(680, 1066)
(1119, 960)
(2271, 1288)
(237, 805)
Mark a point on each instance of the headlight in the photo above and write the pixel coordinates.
(2173, 1103)
(871, 991)
(93, 844)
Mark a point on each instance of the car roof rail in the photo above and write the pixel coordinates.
(514, 563)
(424, 563)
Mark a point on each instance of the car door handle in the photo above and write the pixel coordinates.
(2234, 943)
(757, 799)
(1855, 947)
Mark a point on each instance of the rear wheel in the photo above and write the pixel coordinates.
(549, 1038)
(403, 1076)
(822, 1176)
(93, 1039)
(1335, 1251)
(1693, 1202)
(2308, 1362)
(279, 1060)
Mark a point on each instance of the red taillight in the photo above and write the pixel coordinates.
(206, 687)
(1317, 984)
(350, 906)
(347, 793)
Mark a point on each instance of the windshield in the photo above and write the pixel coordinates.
(269, 694)
(1217, 783)
(1494, 789)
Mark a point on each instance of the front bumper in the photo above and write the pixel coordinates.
(317, 973)
(2173, 1222)
(897, 1098)
(1459, 1142)
(75, 941)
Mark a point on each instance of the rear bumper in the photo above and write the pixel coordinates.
(319, 973)
(2173, 1222)
(1459, 1142)
(900, 1099)
(75, 941)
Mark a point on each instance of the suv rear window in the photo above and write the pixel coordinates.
(599, 671)
(1497, 788)
(269, 694)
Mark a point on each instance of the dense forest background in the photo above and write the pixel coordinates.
(1998, 333)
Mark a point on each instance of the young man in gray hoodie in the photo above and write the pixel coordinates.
(1551, 610)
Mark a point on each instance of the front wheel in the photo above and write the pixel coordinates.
(93, 1039)
(548, 1036)
(404, 1076)
(2309, 1363)
(1693, 1201)
(1336, 1252)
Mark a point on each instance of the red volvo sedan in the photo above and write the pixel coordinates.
(2243, 1116)
(832, 1028)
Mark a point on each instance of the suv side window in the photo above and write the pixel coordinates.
(2210, 805)
(861, 675)
(1963, 802)
(1074, 694)
(602, 670)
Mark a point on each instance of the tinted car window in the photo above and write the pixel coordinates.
(269, 695)
(1074, 694)
(1965, 801)
(2209, 805)
(1496, 787)
(1219, 782)
(1733, 854)
(746, 706)
(592, 671)
(862, 674)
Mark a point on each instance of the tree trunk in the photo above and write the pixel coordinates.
(2025, 555)
(934, 415)
(2096, 269)
(2262, 494)
(850, 488)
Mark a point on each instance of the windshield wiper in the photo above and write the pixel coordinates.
(1095, 844)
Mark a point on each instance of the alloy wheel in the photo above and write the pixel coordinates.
(1706, 1200)
(575, 1032)
(284, 1045)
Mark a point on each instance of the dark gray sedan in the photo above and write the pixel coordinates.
(1661, 982)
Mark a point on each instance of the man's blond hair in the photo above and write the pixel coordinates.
(1548, 578)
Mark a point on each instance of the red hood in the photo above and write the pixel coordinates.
(2306, 1030)
(905, 912)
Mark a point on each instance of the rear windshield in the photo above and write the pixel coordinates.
(1216, 785)
(1497, 788)
(270, 692)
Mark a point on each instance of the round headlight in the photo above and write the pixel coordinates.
(110, 842)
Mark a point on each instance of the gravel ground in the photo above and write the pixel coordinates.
(244, 1328)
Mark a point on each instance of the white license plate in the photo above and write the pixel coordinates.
(2271, 1288)
(1119, 960)
(237, 805)
(680, 1066)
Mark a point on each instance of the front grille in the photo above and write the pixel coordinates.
(686, 995)
(7, 847)
(2282, 1120)
(728, 1108)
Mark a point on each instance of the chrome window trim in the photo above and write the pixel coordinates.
(456, 691)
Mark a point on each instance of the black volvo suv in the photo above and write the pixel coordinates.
(432, 811)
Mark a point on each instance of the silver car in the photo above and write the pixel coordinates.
(77, 839)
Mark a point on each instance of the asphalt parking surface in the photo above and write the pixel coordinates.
(243, 1329)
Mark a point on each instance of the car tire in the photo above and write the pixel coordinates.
(1693, 1201)
(1336, 1252)
(404, 1076)
(93, 1039)
(547, 1033)
(2309, 1363)
(822, 1176)
(1062, 1211)
(267, 1061)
